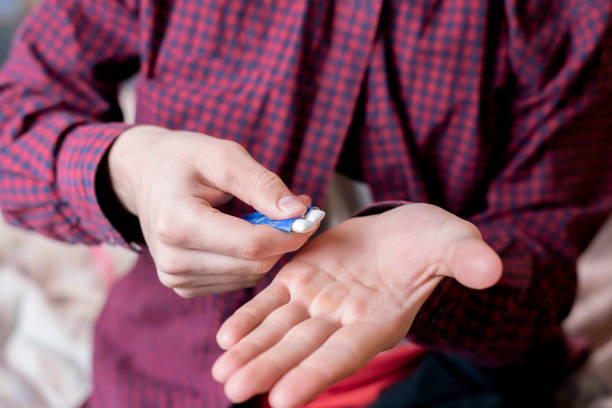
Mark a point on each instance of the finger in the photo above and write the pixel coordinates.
(211, 195)
(263, 370)
(200, 227)
(251, 314)
(305, 281)
(347, 350)
(212, 289)
(268, 333)
(187, 281)
(232, 169)
(306, 200)
(181, 265)
(474, 264)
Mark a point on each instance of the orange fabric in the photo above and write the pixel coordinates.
(363, 387)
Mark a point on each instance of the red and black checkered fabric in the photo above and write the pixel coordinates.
(498, 111)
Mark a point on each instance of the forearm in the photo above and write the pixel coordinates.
(59, 118)
(54, 194)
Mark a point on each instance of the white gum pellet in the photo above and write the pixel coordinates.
(309, 221)
(302, 226)
(315, 215)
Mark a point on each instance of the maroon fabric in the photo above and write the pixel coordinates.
(498, 111)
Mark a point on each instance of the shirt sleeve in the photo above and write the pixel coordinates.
(59, 114)
(550, 192)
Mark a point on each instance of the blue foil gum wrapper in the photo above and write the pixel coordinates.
(303, 224)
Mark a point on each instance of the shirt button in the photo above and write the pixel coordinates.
(135, 246)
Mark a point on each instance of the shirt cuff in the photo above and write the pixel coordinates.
(79, 157)
(380, 207)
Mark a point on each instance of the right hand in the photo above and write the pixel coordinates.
(172, 180)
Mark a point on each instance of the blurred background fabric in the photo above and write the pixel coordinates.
(50, 296)
(51, 293)
(591, 319)
(11, 13)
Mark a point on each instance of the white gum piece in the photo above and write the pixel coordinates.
(302, 226)
(315, 215)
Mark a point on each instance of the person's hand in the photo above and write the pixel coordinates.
(347, 295)
(173, 180)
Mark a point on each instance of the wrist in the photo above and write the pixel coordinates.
(121, 219)
(125, 163)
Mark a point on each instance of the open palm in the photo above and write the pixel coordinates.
(350, 293)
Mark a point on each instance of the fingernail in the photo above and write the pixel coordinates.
(290, 204)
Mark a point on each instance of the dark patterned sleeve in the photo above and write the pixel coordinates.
(552, 191)
(58, 114)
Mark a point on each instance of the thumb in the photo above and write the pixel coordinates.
(474, 264)
(236, 172)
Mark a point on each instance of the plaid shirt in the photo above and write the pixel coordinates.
(498, 111)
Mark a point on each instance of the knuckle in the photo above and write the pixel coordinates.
(171, 263)
(229, 151)
(456, 227)
(235, 147)
(267, 180)
(252, 251)
(166, 279)
(261, 267)
(247, 252)
(186, 293)
(471, 229)
(225, 179)
(167, 231)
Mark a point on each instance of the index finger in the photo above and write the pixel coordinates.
(200, 227)
(230, 168)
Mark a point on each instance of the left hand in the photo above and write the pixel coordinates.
(351, 293)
